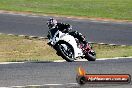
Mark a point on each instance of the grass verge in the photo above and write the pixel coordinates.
(14, 48)
(115, 9)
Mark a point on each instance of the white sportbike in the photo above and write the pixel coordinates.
(68, 47)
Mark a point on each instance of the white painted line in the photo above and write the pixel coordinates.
(10, 62)
(114, 58)
(72, 83)
(59, 61)
(41, 37)
(33, 85)
(59, 84)
(66, 61)
(107, 58)
(21, 35)
(91, 42)
(16, 87)
(123, 45)
(33, 36)
(112, 44)
(10, 34)
(102, 43)
(97, 59)
(42, 85)
(53, 84)
(81, 60)
(75, 60)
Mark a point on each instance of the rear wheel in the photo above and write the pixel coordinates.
(65, 50)
(91, 56)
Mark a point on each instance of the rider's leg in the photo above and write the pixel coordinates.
(79, 36)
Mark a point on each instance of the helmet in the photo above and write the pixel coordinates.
(52, 23)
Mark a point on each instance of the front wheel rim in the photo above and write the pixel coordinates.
(67, 52)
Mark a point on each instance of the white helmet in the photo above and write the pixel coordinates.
(52, 23)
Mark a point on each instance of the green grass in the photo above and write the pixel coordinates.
(14, 48)
(115, 9)
(107, 51)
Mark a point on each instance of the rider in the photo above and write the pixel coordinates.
(66, 28)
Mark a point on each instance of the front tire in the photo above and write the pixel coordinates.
(67, 54)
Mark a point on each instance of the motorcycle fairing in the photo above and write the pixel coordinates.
(69, 39)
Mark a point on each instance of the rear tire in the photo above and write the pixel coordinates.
(91, 56)
(68, 54)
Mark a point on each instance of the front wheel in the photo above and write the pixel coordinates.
(65, 50)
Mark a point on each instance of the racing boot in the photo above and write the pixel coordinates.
(86, 47)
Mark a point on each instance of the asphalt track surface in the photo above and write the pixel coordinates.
(40, 73)
(95, 31)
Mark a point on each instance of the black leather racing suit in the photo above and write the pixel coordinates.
(66, 28)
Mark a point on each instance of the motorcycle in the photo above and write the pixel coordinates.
(68, 47)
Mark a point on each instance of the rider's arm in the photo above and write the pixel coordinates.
(64, 27)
